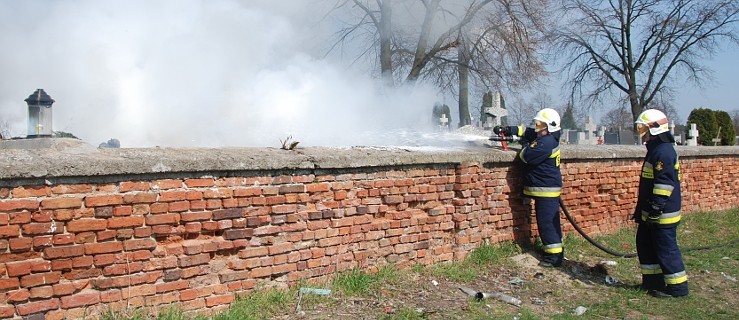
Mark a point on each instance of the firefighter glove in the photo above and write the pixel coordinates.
(529, 135)
(502, 130)
(655, 210)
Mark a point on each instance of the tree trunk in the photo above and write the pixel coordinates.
(386, 24)
(464, 59)
(420, 58)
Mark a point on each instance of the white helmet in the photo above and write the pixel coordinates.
(652, 120)
(547, 118)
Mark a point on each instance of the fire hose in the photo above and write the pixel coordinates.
(628, 255)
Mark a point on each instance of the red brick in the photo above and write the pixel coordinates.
(105, 247)
(139, 244)
(40, 265)
(108, 296)
(19, 204)
(158, 208)
(138, 291)
(81, 299)
(172, 286)
(121, 269)
(43, 228)
(219, 193)
(192, 247)
(282, 209)
(64, 252)
(82, 262)
(63, 289)
(16, 296)
(119, 211)
(61, 203)
(167, 184)
(62, 239)
(142, 232)
(219, 300)
(18, 269)
(41, 292)
(42, 216)
(20, 244)
(9, 231)
(125, 222)
(7, 311)
(86, 225)
(179, 206)
(203, 182)
(280, 248)
(248, 192)
(71, 188)
(10, 283)
(103, 200)
(253, 252)
(189, 261)
(238, 234)
(127, 186)
(157, 219)
(169, 196)
(233, 213)
(38, 279)
(196, 216)
(189, 294)
(193, 227)
(19, 217)
(61, 264)
(142, 197)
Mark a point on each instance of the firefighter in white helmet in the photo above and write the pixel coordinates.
(542, 178)
(658, 210)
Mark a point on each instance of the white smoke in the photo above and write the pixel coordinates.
(195, 73)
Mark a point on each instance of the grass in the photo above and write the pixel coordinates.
(470, 268)
(713, 294)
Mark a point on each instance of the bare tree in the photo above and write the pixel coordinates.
(523, 110)
(618, 118)
(638, 48)
(485, 43)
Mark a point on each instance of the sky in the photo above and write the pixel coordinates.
(215, 73)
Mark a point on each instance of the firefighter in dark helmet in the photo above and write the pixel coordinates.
(658, 210)
(542, 178)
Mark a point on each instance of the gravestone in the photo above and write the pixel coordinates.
(692, 135)
(493, 110)
(441, 116)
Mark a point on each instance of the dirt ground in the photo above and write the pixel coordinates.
(544, 292)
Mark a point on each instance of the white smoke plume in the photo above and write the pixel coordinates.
(195, 73)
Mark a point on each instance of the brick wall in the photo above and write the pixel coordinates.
(75, 248)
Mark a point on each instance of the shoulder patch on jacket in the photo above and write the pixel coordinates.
(533, 144)
(659, 166)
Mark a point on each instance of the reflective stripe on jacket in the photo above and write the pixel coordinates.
(659, 183)
(541, 158)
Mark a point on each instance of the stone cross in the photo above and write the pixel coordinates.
(590, 126)
(693, 133)
(589, 132)
(444, 121)
(495, 115)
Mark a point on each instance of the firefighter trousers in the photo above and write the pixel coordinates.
(550, 229)
(660, 259)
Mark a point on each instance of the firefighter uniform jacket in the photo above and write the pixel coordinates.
(541, 157)
(659, 184)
